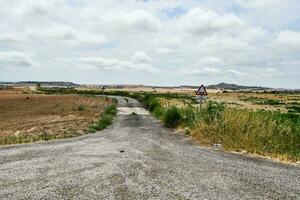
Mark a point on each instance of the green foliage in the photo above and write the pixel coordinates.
(262, 132)
(154, 103)
(172, 117)
(213, 111)
(263, 101)
(105, 120)
(158, 111)
(293, 109)
(110, 110)
(271, 102)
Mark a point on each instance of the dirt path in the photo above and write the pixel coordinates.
(137, 158)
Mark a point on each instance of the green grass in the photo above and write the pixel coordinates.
(262, 101)
(293, 109)
(270, 102)
(105, 120)
(172, 117)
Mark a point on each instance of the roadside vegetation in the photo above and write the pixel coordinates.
(268, 133)
(105, 120)
(261, 132)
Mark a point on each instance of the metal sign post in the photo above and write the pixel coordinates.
(201, 95)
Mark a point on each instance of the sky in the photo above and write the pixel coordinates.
(152, 42)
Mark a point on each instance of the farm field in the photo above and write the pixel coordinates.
(243, 99)
(287, 103)
(30, 117)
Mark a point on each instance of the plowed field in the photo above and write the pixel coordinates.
(59, 115)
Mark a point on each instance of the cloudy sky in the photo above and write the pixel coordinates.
(155, 42)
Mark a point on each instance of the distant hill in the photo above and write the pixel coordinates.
(228, 86)
(42, 83)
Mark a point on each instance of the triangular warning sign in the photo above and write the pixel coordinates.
(201, 91)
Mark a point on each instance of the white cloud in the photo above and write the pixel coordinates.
(140, 20)
(201, 22)
(141, 57)
(289, 39)
(163, 51)
(274, 14)
(211, 61)
(225, 40)
(170, 42)
(10, 38)
(51, 31)
(216, 43)
(236, 72)
(120, 65)
(16, 59)
(209, 71)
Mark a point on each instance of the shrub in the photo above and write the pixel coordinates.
(110, 110)
(158, 111)
(172, 117)
(188, 116)
(153, 104)
(213, 111)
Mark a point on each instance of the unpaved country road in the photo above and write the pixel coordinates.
(156, 164)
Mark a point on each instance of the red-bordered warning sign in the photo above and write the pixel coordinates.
(201, 91)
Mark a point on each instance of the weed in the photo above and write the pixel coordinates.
(105, 119)
(172, 117)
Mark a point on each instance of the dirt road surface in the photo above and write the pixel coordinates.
(137, 158)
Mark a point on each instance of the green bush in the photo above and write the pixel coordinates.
(110, 110)
(213, 111)
(153, 104)
(188, 116)
(172, 117)
(158, 111)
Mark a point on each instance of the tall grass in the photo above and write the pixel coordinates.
(172, 117)
(261, 132)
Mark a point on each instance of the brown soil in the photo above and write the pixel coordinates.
(53, 114)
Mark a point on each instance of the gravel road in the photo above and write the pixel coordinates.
(137, 158)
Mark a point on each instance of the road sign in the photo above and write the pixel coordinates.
(201, 91)
(201, 95)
